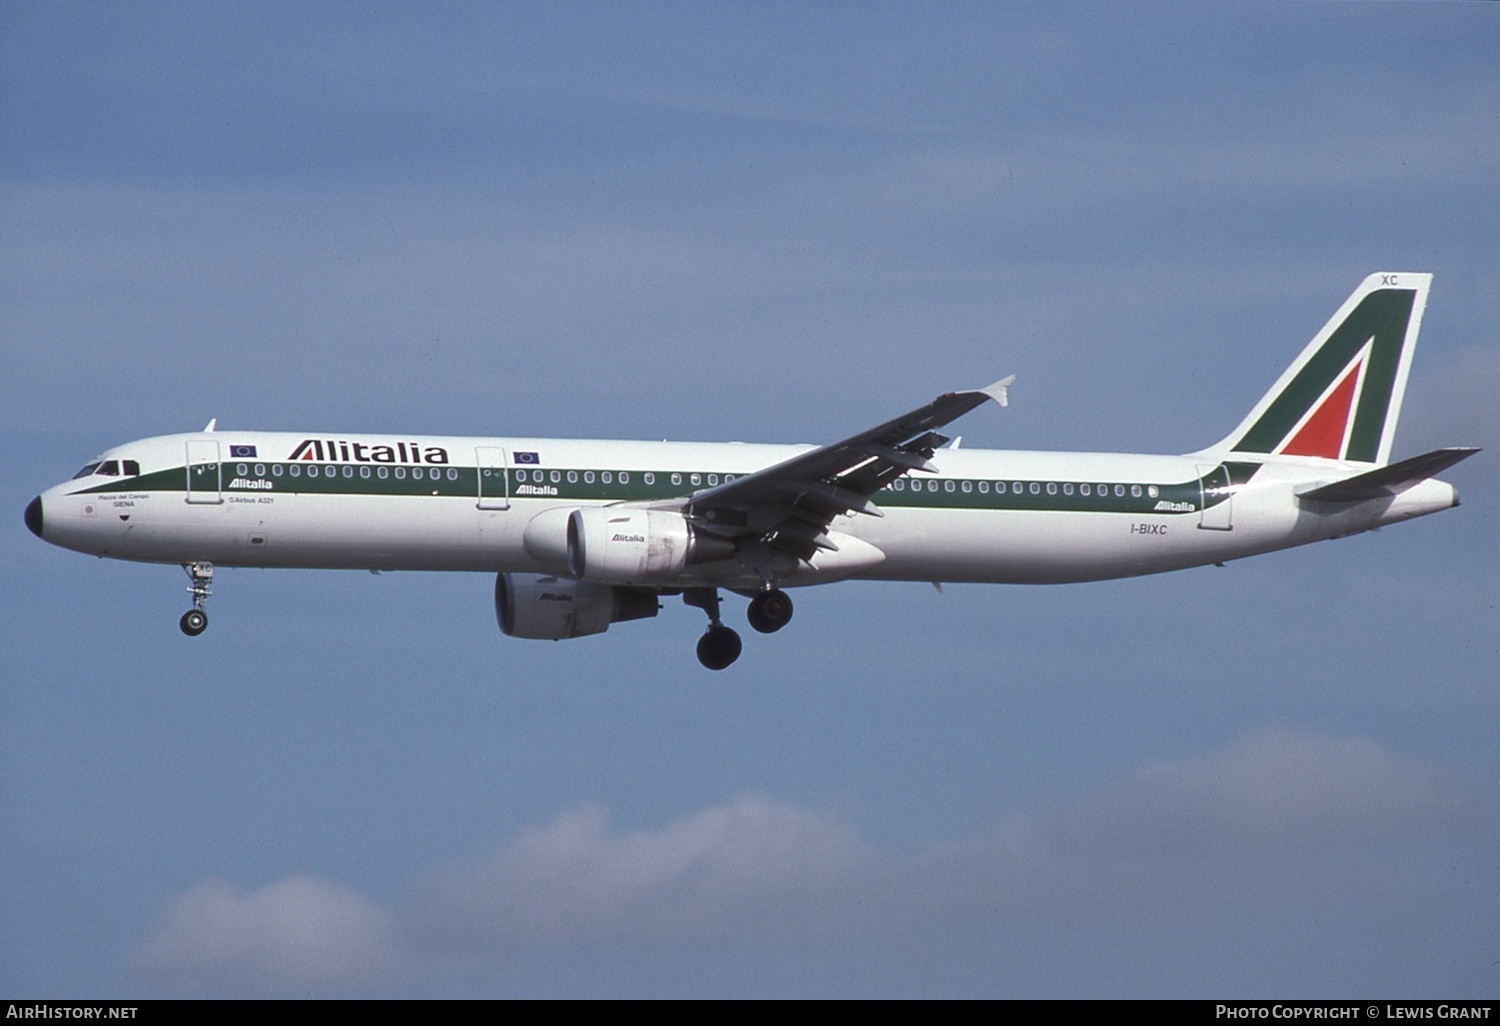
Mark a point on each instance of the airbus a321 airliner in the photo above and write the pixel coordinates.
(583, 534)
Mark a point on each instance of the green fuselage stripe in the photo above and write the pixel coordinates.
(914, 491)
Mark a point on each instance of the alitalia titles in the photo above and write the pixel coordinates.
(328, 450)
(1166, 506)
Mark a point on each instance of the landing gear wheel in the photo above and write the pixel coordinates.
(193, 622)
(718, 647)
(770, 611)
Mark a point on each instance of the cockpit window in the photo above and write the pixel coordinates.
(130, 468)
(109, 468)
(86, 471)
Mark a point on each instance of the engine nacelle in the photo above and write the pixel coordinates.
(553, 608)
(617, 545)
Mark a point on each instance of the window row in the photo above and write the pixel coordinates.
(1086, 489)
(609, 477)
(348, 470)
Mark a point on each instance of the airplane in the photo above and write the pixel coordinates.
(585, 534)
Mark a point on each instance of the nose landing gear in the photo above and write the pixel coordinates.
(200, 576)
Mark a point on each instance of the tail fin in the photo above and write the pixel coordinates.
(1341, 397)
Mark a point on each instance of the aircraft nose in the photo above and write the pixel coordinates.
(34, 516)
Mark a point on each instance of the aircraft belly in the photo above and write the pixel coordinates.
(1034, 547)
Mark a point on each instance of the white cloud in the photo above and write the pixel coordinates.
(749, 865)
(299, 934)
(1279, 817)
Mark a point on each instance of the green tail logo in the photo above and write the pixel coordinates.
(1342, 396)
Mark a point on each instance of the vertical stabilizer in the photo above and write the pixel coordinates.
(1340, 399)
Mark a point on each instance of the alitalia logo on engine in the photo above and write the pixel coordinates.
(633, 539)
(328, 450)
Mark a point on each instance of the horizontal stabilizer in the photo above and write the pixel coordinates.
(1389, 480)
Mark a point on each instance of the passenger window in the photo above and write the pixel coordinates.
(452, 473)
(364, 472)
(381, 472)
(1119, 491)
(588, 477)
(1135, 491)
(240, 469)
(1036, 489)
(1084, 489)
(624, 477)
(677, 479)
(984, 488)
(400, 473)
(696, 479)
(572, 477)
(276, 469)
(1051, 487)
(260, 470)
(1067, 489)
(607, 477)
(896, 485)
(713, 479)
(295, 470)
(948, 486)
(650, 478)
(349, 470)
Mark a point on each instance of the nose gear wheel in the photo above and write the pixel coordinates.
(200, 576)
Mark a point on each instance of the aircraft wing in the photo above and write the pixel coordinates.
(790, 505)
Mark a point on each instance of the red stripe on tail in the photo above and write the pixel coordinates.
(1323, 433)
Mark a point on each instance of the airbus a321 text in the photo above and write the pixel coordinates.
(584, 534)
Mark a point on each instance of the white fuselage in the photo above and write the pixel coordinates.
(449, 503)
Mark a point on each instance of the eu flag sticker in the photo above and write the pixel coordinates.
(242, 452)
(527, 459)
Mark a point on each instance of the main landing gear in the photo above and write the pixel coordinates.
(720, 646)
(770, 611)
(200, 576)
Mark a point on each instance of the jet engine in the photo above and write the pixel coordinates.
(553, 608)
(615, 545)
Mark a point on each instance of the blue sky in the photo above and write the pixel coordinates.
(767, 222)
